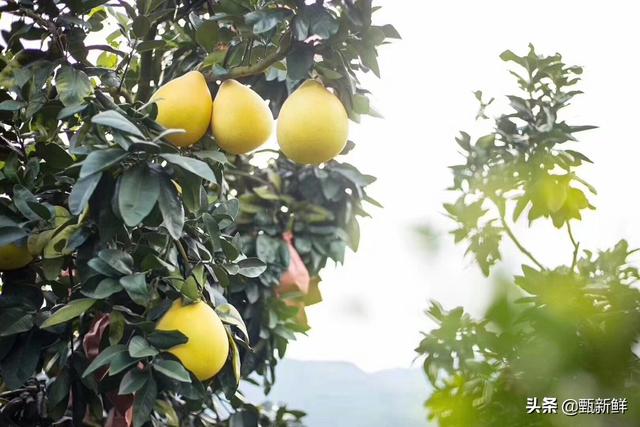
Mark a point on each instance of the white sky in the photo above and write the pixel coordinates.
(372, 309)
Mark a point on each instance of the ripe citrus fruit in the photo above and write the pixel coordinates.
(313, 125)
(184, 103)
(208, 347)
(14, 256)
(241, 120)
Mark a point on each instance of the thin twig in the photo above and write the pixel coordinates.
(576, 246)
(279, 54)
(515, 240)
(106, 48)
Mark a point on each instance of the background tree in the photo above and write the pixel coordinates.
(119, 223)
(567, 331)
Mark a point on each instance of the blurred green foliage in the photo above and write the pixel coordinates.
(567, 332)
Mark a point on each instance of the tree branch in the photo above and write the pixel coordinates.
(146, 68)
(515, 240)
(106, 48)
(576, 246)
(279, 54)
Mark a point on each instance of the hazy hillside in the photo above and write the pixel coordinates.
(337, 394)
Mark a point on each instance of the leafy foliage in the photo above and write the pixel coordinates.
(121, 223)
(564, 332)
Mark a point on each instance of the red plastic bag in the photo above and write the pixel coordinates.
(296, 278)
(121, 415)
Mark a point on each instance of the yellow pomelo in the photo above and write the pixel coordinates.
(208, 347)
(241, 120)
(14, 256)
(313, 125)
(184, 103)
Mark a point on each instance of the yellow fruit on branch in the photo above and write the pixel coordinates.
(184, 103)
(208, 347)
(14, 256)
(241, 120)
(313, 125)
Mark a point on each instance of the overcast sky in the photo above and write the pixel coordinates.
(372, 309)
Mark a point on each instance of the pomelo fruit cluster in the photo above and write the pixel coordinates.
(312, 128)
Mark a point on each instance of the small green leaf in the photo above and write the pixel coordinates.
(82, 191)
(166, 339)
(100, 160)
(251, 267)
(132, 381)
(73, 86)
(137, 195)
(171, 209)
(143, 402)
(172, 369)
(195, 166)
(136, 287)
(70, 311)
(104, 358)
(139, 347)
(115, 120)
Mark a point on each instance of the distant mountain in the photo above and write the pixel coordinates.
(339, 394)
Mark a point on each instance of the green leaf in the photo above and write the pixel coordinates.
(299, 62)
(140, 26)
(166, 339)
(14, 321)
(11, 235)
(150, 45)
(207, 35)
(172, 369)
(73, 86)
(12, 105)
(120, 362)
(104, 358)
(70, 110)
(140, 347)
(265, 20)
(82, 191)
(115, 120)
(171, 209)
(70, 311)
(132, 381)
(143, 402)
(251, 267)
(195, 166)
(105, 288)
(137, 195)
(136, 287)
(100, 160)
(230, 315)
(117, 259)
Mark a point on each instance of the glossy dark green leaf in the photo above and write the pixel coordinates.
(137, 288)
(171, 208)
(132, 381)
(82, 192)
(140, 347)
(70, 311)
(137, 195)
(144, 401)
(195, 166)
(172, 369)
(73, 86)
(115, 120)
(100, 160)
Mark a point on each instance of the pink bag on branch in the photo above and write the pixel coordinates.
(121, 415)
(296, 278)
